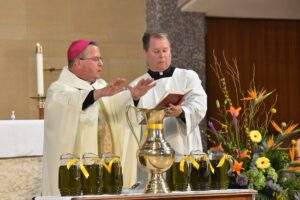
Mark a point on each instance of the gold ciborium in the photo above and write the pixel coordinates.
(154, 153)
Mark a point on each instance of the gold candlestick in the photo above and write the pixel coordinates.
(41, 105)
(52, 69)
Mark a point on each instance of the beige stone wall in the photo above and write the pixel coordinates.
(117, 25)
(20, 178)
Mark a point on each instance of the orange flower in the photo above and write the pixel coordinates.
(243, 154)
(217, 148)
(288, 130)
(257, 96)
(237, 167)
(276, 127)
(270, 142)
(251, 95)
(234, 111)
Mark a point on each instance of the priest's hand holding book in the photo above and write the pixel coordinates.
(174, 110)
(172, 101)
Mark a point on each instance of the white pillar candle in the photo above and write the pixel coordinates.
(39, 70)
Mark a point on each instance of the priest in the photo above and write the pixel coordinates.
(84, 114)
(181, 123)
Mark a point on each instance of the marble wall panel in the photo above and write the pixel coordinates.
(187, 34)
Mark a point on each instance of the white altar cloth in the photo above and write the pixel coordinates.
(20, 138)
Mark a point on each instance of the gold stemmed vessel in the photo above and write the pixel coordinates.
(154, 152)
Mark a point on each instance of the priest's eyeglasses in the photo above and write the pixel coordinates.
(95, 59)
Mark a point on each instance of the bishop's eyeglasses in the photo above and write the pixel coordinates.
(95, 59)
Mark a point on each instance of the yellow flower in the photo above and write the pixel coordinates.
(293, 142)
(262, 163)
(273, 110)
(255, 136)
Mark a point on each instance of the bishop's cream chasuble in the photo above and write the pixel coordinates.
(69, 129)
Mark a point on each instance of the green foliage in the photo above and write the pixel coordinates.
(279, 196)
(291, 184)
(282, 196)
(279, 159)
(261, 196)
(256, 178)
(271, 173)
(297, 195)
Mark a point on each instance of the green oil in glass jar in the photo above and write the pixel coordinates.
(92, 184)
(178, 179)
(112, 180)
(69, 183)
(200, 178)
(220, 178)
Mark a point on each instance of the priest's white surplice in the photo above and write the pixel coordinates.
(184, 137)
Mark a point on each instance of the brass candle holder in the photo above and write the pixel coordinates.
(40, 105)
(52, 69)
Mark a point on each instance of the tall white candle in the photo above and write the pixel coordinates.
(39, 70)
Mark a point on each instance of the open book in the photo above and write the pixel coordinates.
(171, 97)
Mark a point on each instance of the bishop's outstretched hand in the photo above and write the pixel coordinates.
(141, 88)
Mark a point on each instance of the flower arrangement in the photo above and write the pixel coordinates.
(245, 129)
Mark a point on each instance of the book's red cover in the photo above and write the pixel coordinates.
(171, 98)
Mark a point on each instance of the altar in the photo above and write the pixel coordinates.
(21, 138)
(230, 194)
(21, 151)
